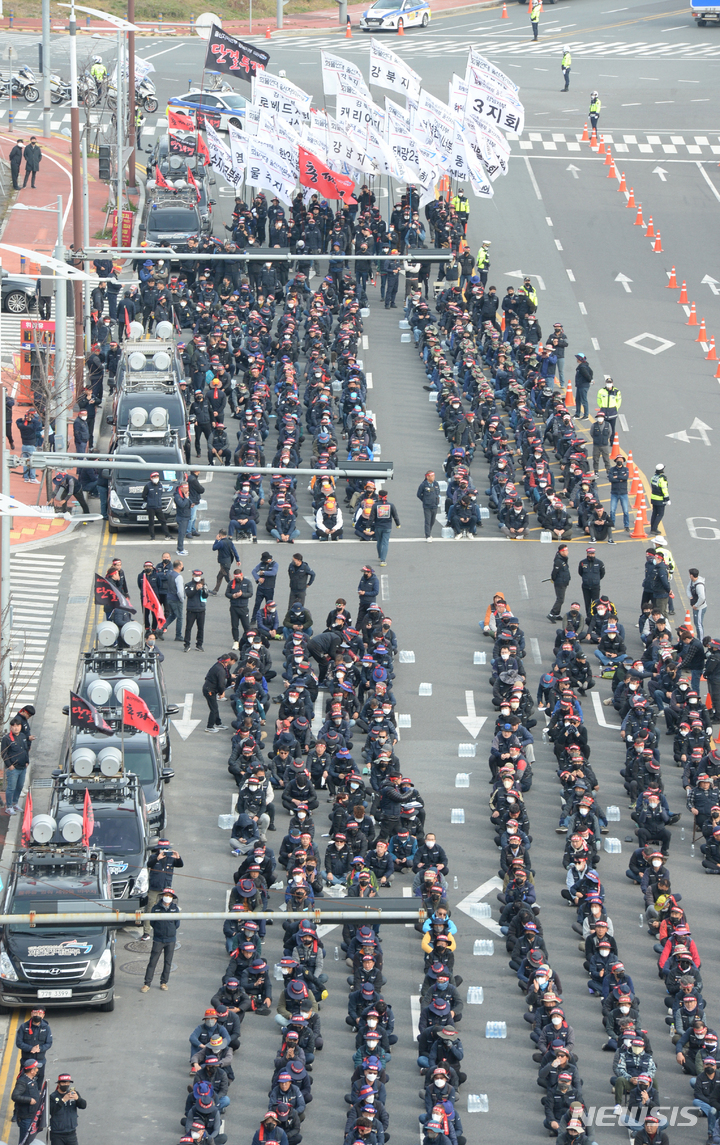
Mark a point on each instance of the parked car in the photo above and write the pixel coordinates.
(18, 293)
(391, 15)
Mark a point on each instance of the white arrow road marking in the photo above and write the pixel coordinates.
(186, 725)
(575, 171)
(661, 172)
(623, 278)
(701, 435)
(470, 902)
(522, 274)
(711, 282)
(600, 714)
(471, 722)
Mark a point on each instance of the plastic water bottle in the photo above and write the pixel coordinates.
(457, 815)
(478, 1103)
(475, 996)
(336, 954)
(682, 833)
(455, 883)
(495, 1030)
(612, 814)
(478, 910)
(278, 972)
(484, 946)
(692, 850)
(641, 923)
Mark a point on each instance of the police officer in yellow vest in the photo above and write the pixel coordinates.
(594, 112)
(98, 71)
(528, 290)
(659, 496)
(609, 401)
(535, 9)
(461, 207)
(139, 123)
(565, 63)
(483, 261)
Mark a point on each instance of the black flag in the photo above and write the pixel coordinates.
(85, 715)
(234, 57)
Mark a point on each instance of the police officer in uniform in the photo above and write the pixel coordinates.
(565, 64)
(659, 496)
(461, 207)
(594, 112)
(483, 262)
(609, 400)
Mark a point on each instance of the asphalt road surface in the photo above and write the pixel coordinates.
(572, 229)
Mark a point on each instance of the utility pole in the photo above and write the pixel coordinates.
(77, 199)
(5, 523)
(120, 141)
(86, 245)
(132, 134)
(46, 68)
(62, 372)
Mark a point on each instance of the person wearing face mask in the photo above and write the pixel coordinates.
(63, 1105)
(707, 1094)
(196, 595)
(161, 865)
(591, 572)
(152, 496)
(652, 820)
(557, 1101)
(164, 938)
(28, 1099)
(34, 1039)
(628, 1066)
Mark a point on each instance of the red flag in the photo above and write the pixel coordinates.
(26, 836)
(193, 183)
(202, 150)
(88, 819)
(314, 173)
(137, 714)
(151, 602)
(161, 181)
(181, 120)
(83, 714)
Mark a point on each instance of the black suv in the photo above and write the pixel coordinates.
(58, 964)
(175, 167)
(171, 221)
(120, 826)
(101, 672)
(125, 503)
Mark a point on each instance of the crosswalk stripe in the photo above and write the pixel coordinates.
(34, 595)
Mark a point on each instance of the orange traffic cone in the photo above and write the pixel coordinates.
(593, 140)
(504, 13)
(615, 451)
(638, 533)
(622, 186)
(608, 158)
(635, 487)
(688, 619)
(601, 145)
(268, 34)
(672, 284)
(711, 355)
(702, 332)
(692, 320)
(708, 702)
(638, 218)
(612, 173)
(657, 246)
(585, 135)
(631, 464)
(639, 497)
(650, 232)
(717, 372)
(401, 30)
(348, 30)
(644, 511)
(683, 294)
(569, 399)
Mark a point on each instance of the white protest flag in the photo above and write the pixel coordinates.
(494, 147)
(272, 93)
(475, 164)
(475, 60)
(494, 102)
(401, 142)
(283, 138)
(345, 152)
(434, 125)
(457, 98)
(379, 151)
(357, 113)
(238, 149)
(335, 67)
(251, 122)
(276, 175)
(388, 70)
(221, 157)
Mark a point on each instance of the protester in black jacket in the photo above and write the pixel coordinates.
(301, 576)
(164, 936)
